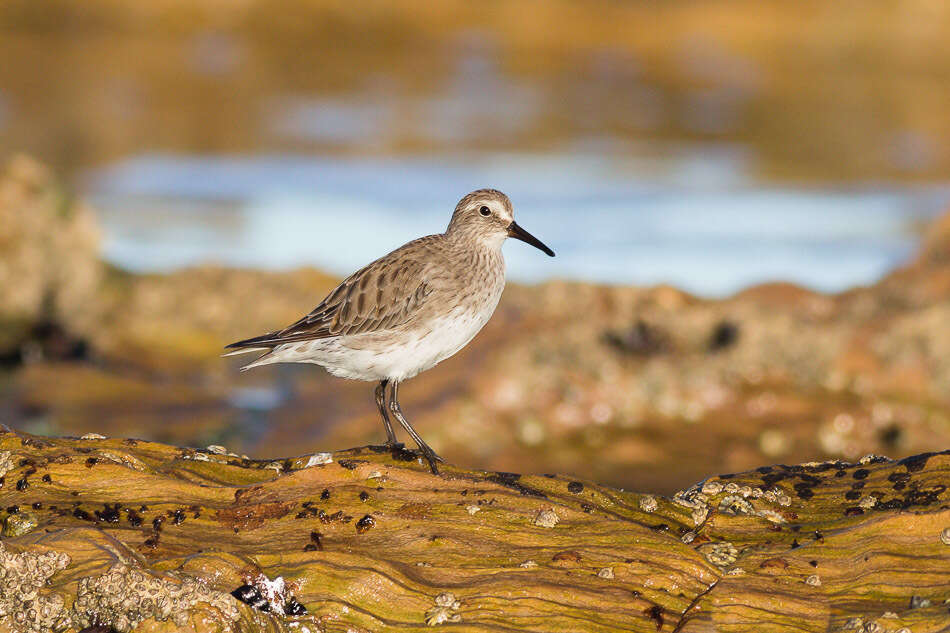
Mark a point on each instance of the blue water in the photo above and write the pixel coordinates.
(694, 219)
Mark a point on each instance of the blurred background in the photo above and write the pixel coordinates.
(746, 200)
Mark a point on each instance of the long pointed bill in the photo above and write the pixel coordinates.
(519, 233)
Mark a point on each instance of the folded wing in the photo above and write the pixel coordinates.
(381, 296)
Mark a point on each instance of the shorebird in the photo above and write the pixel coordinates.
(408, 310)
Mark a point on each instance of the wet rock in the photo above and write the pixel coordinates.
(246, 540)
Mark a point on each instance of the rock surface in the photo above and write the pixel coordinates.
(148, 537)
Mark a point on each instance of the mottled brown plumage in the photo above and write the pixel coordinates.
(378, 297)
(408, 310)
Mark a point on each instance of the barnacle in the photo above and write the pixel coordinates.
(735, 505)
(6, 463)
(445, 610)
(26, 606)
(721, 554)
(125, 596)
(695, 500)
(547, 518)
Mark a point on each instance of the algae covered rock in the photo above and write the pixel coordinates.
(18, 524)
(135, 535)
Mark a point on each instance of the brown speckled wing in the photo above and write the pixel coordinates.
(380, 296)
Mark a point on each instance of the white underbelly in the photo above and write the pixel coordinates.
(395, 355)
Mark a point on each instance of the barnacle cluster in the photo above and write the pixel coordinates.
(735, 505)
(720, 554)
(735, 502)
(6, 463)
(648, 503)
(695, 501)
(445, 610)
(25, 606)
(125, 596)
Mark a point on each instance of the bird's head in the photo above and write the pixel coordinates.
(485, 215)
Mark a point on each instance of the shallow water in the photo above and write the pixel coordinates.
(691, 217)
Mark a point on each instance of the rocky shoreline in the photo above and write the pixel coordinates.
(126, 534)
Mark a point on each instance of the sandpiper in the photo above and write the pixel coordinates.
(407, 311)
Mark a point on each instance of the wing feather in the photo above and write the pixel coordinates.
(380, 296)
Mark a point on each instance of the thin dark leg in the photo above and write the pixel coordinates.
(391, 441)
(427, 451)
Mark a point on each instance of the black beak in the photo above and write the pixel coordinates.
(519, 233)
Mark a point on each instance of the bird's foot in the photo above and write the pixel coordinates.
(432, 458)
(430, 454)
(432, 466)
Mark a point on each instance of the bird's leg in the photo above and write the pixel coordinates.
(427, 451)
(391, 441)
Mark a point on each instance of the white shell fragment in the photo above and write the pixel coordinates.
(547, 518)
(319, 458)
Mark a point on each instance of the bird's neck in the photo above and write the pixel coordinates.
(476, 240)
(479, 252)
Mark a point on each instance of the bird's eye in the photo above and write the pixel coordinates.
(485, 211)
